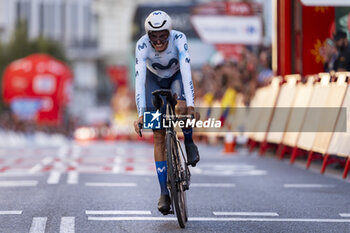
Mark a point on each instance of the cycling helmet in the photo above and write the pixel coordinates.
(158, 21)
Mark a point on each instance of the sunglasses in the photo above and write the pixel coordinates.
(158, 37)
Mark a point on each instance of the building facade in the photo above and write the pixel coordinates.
(73, 23)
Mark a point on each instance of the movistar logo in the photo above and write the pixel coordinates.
(161, 67)
(142, 46)
(160, 170)
(187, 60)
(157, 13)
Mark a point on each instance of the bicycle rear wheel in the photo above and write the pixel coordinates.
(177, 190)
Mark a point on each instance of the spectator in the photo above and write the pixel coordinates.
(329, 54)
(266, 72)
(342, 62)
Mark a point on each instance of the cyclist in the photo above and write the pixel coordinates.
(163, 62)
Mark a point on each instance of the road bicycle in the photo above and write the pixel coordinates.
(179, 175)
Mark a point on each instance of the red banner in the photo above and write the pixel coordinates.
(318, 23)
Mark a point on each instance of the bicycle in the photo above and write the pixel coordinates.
(178, 172)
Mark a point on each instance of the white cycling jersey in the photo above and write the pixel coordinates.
(163, 64)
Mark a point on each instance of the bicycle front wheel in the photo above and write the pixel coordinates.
(175, 178)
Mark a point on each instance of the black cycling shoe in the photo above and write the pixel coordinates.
(192, 154)
(164, 204)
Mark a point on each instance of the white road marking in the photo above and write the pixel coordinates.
(72, 177)
(36, 168)
(208, 219)
(308, 186)
(117, 212)
(14, 174)
(131, 218)
(38, 225)
(246, 214)
(117, 164)
(39, 166)
(229, 173)
(212, 185)
(345, 215)
(67, 225)
(54, 177)
(10, 212)
(112, 184)
(18, 183)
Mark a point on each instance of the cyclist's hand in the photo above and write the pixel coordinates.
(136, 125)
(191, 111)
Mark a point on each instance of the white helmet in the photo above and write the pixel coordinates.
(158, 21)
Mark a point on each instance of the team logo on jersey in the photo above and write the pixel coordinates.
(177, 36)
(136, 74)
(187, 60)
(142, 46)
(157, 13)
(161, 67)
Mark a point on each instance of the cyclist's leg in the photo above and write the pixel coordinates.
(181, 109)
(159, 146)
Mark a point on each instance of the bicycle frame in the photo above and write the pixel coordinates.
(178, 172)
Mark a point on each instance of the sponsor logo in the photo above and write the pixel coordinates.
(161, 67)
(160, 170)
(142, 46)
(209, 123)
(151, 120)
(177, 36)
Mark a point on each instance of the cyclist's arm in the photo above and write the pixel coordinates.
(185, 68)
(140, 75)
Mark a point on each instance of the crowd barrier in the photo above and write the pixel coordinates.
(300, 103)
(280, 116)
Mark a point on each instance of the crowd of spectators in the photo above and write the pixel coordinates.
(336, 53)
(244, 75)
(12, 123)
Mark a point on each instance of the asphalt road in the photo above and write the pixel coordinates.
(112, 187)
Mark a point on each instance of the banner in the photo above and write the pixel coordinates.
(216, 29)
(317, 24)
(326, 2)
